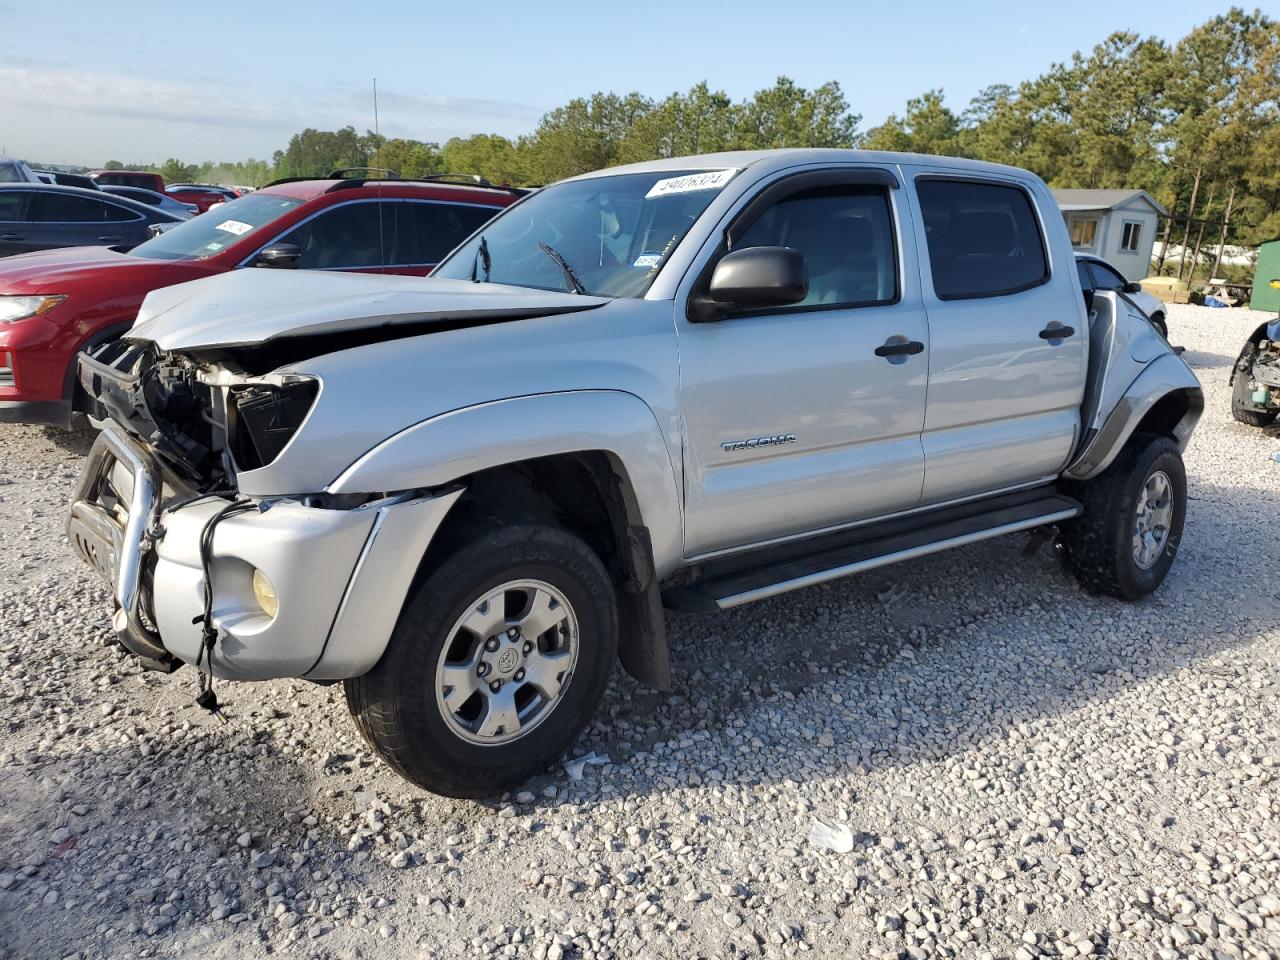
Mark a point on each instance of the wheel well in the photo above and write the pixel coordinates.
(588, 493)
(1169, 412)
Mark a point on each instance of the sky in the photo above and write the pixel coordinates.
(82, 83)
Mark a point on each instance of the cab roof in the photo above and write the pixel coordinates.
(767, 161)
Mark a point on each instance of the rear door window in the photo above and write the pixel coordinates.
(73, 208)
(427, 231)
(344, 237)
(983, 238)
(13, 205)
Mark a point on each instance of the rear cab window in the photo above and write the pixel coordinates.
(984, 238)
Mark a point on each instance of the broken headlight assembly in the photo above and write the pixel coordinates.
(263, 417)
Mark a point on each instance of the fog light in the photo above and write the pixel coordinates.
(265, 594)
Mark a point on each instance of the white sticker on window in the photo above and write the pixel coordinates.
(235, 226)
(708, 180)
(648, 260)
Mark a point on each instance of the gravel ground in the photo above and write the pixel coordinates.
(1025, 771)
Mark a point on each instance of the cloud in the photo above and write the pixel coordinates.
(53, 89)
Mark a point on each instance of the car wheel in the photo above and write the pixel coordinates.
(1242, 406)
(1127, 537)
(499, 659)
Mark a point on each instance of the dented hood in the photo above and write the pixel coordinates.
(254, 306)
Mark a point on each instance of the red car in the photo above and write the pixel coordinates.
(55, 303)
(128, 178)
(200, 195)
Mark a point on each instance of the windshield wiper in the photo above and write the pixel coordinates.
(563, 264)
(482, 254)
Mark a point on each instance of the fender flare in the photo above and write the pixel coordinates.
(450, 446)
(1166, 376)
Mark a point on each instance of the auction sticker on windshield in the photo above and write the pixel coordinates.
(235, 226)
(707, 180)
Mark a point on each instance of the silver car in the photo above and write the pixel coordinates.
(691, 383)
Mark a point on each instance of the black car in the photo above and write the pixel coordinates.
(37, 216)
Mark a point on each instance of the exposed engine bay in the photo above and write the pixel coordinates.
(1263, 375)
(204, 420)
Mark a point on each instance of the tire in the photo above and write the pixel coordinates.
(1242, 406)
(1100, 546)
(400, 705)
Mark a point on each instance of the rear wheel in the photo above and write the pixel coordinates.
(500, 657)
(1242, 406)
(1127, 538)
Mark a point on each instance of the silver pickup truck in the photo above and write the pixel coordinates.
(690, 383)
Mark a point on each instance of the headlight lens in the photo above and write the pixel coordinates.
(20, 308)
(265, 594)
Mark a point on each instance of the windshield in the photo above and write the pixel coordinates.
(212, 232)
(613, 233)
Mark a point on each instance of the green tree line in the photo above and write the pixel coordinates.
(1196, 123)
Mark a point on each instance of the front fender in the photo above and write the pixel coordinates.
(453, 445)
(1165, 376)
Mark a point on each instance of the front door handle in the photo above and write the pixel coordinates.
(109, 239)
(1056, 331)
(897, 348)
(11, 236)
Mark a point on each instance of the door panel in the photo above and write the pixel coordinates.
(1004, 395)
(840, 424)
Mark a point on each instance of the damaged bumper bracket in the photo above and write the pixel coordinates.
(116, 552)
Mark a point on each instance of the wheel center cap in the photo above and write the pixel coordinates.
(508, 660)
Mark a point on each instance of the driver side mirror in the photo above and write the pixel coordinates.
(752, 279)
(1133, 286)
(284, 256)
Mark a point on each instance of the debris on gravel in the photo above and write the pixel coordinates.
(1024, 770)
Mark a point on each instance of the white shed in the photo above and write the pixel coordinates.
(1117, 225)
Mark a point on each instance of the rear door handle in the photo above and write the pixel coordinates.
(897, 348)
(109, 239)
(1056, 331)
(11, 236)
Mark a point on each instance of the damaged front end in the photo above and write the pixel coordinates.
(205, 420)
(243, 587)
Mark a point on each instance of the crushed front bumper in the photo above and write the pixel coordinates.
(340, 575)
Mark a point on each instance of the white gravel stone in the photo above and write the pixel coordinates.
(1014, 755)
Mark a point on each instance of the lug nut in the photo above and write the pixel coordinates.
(495, 686)
(491, 644)
(512, 633)
(482, 669)
(519, 675)
(528, 647)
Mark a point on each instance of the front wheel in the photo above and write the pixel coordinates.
(499, 659)
(1127, 538)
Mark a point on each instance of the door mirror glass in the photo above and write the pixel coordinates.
(758, 277)
(280, 255)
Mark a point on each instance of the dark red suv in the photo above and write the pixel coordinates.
(55, 303)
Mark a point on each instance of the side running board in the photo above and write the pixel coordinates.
(745, 578)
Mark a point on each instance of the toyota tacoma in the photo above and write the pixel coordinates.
(691, 383)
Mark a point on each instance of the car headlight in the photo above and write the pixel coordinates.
(20, 308)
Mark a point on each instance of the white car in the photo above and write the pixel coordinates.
(1097, 274)
(15, 171)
